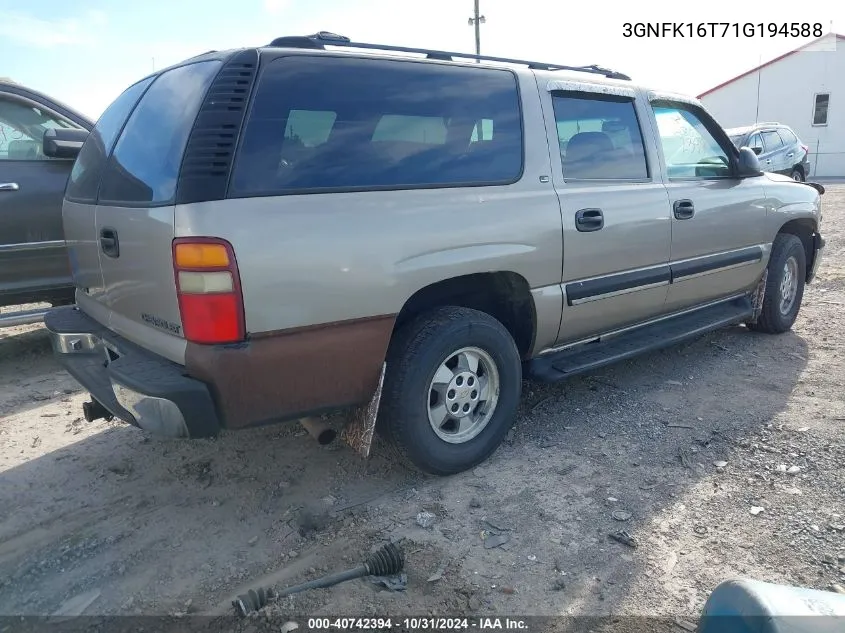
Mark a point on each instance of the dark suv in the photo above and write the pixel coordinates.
(778, 147)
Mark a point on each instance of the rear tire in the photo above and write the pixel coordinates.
(797, 175)
(451, 391)
(784, 286)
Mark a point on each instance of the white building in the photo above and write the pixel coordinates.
(804, 89)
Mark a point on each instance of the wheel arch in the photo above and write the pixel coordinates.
(504, 295)
(804, 229)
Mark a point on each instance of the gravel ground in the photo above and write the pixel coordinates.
(722, 458)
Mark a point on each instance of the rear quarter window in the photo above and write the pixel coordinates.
(329, 123)
(144, 167)
(84, 178)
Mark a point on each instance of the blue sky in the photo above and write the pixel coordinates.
(85, 52)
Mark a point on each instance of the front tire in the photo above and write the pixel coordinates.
(784, 286)
(453, 383)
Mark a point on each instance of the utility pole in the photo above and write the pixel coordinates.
(476, 21)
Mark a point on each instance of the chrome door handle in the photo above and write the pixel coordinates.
(790, 155)
(9, 186)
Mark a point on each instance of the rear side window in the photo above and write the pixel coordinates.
(772, 141)
(144, 166)
(328, 123)
(599, 137)
(85, 176)
(788, 137)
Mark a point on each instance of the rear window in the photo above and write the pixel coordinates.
(144, 166)
(85, 176)
(788, 137)
(321, 123)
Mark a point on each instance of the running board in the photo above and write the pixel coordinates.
(24, 317)
(583, 358)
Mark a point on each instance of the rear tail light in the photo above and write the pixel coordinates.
(805, 148)
(209, 290)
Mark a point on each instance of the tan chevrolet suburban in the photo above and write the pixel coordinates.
(269, 233)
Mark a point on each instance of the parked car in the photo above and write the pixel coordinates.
(777, 147)
(33, 259)
(249, 246)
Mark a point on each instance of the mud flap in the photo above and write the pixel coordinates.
(758, 296)
(358, 432)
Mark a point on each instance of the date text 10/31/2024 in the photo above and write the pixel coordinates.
(721, 29)
(418, 624)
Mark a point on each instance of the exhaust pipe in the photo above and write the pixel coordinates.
(94, 410)
(319, 430)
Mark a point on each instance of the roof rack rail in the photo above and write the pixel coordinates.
(759, 123)
(323, 38)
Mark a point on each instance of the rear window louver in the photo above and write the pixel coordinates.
(211, 146)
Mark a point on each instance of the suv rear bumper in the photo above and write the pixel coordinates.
(134, 385)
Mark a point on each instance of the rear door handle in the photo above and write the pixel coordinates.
(9, 186)
(790, 155)
(587, 220)
(683, 209)
(109, 243)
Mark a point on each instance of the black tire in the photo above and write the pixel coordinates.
(416, 352)
(772, 319)
(797, 174)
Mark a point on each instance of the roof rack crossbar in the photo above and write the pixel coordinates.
(323, 39)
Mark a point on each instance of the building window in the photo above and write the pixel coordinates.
(820, 109)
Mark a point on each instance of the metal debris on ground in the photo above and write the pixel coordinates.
(625, 538)
(397, 582)
(425, 519)
(441, 569)
(700, 530)
(621, 515)
(289, 626)
(496, 526)
(495, 540)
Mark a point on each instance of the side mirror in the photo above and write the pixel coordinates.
(757, 150)
(63, 142)
(748, 165)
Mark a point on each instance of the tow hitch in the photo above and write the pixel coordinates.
(94, 411)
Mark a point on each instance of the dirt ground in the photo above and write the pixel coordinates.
(680, 448)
